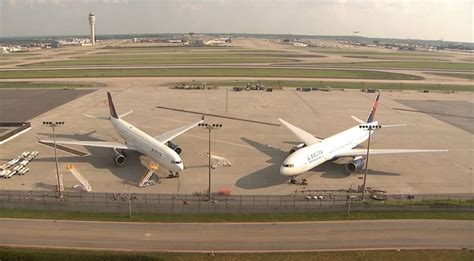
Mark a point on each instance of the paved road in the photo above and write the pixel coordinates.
(294, 236)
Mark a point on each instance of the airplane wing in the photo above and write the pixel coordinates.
(304, 136)
(102, 144)
(363, 152)
(167, 136)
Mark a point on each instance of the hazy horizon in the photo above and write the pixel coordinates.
(424, 20)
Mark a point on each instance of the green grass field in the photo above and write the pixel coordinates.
(23, 85)
(348, 85)
(367, 52)
(208, 72)
(83, 255)
(468, 76)
(222, 217)
(226, 54)
(392, 57)
(406, 65)
(160, 61)
(19, 54)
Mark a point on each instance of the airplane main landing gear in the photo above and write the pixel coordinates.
(304, 182)
(294, 181)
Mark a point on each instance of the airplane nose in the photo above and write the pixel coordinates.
(285, 171)
(181, 166)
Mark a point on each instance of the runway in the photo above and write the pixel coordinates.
(238, 237)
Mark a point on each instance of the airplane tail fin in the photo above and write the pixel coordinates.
(113, 113)
(373, 109)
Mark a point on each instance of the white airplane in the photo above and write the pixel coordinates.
(159, 149)
(315, 151)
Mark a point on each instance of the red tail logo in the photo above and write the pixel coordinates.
(113, 113)
(373, 109)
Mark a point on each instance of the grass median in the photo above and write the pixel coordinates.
(469, 76)
(361, 255)
(223, 217)
(207, 72)
(385, 53)
(160, 61)
(227, 54)
(27, 85)
(381, 56)
(406, 65)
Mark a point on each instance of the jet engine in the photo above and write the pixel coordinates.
(299, 146)
(119, 158)
(174, 147)
(356, 165)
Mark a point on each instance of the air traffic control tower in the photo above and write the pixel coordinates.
(92, 24)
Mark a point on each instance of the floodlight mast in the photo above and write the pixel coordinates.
(54, 125)
(369, 128)
(209, 127)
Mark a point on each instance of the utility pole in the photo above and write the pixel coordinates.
(129, 202)
(209, 127)
(54, 125)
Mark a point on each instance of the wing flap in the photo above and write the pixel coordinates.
(167, 136)
(102, 144)
(363, 152)
(303, 135)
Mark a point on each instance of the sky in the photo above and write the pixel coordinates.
(450, 20)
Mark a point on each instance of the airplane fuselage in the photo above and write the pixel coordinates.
(148, 146)
(316, 154)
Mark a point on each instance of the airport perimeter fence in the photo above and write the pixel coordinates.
(166, 203)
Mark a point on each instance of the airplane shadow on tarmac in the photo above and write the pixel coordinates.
(337, 170)
(270, 176)
(99, 158)
(266, 177)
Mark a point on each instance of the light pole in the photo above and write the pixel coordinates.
(369, 128)
(54, 125)
(210, 127)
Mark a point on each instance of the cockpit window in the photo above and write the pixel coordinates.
(288, 165)
(176, 162)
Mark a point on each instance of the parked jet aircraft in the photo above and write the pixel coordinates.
(159, 149)
(315, 151)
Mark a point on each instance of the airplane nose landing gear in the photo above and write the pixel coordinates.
(173, 175)
(293, 180)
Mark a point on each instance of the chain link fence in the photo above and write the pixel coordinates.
(322, 201)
